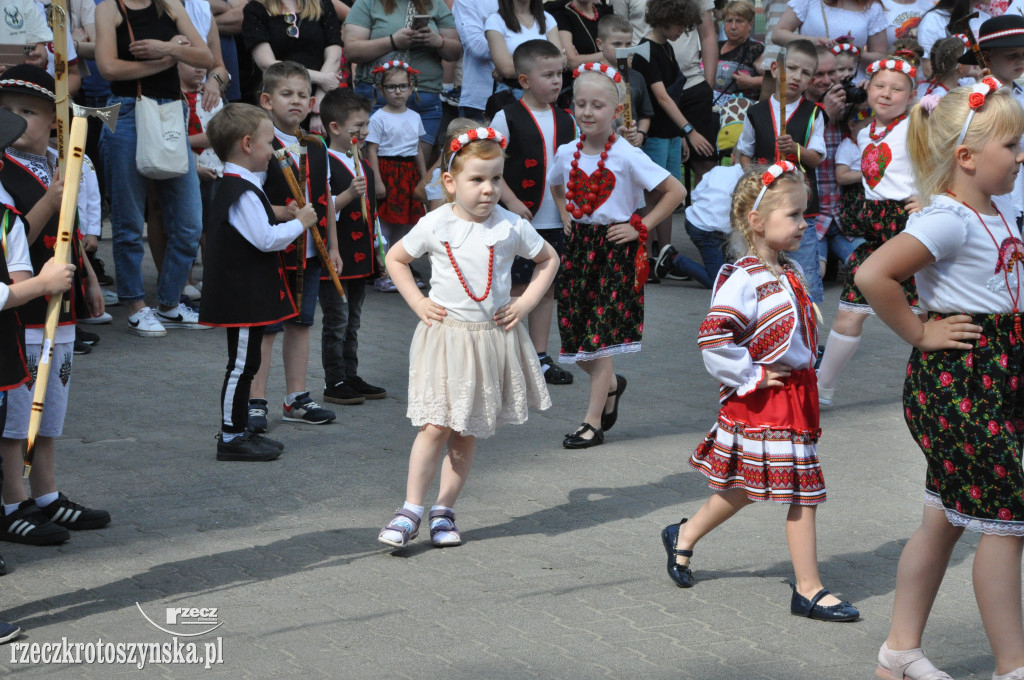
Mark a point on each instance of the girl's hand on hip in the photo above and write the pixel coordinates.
(952, 332)
(774, 376)
(428, 310)
(511, 314)
(622, 232)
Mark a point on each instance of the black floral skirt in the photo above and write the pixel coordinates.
(877, 222)
(600, 313)
(965, 409)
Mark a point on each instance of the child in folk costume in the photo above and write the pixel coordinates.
(393, 150)
(888, 200)
(598, 184)
(962, 396)
(759, 341)
(471, 366)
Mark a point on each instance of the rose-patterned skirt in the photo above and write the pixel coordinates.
(401, 177)
(966, 411)
(600, 313)
(877, 222)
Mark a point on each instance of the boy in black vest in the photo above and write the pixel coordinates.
(535, 127)
(28, 174)
(18, 286)
(803, 144)
(244, 288)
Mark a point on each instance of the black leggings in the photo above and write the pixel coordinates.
(243, 361)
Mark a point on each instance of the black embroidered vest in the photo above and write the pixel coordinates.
(355, 236)
(277, 190)
(526, 165)
(13, 370)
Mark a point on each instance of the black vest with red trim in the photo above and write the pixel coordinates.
(762, 118)
(277, 190)
(242, 285)
(526, 163)
(355, 236)
(13, 370)
(27, 189)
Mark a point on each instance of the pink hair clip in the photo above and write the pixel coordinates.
(930, 101)
(976, 100)
(770, 175)
(479, 134)
(892, 65)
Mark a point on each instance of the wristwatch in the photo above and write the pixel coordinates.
(687, 129)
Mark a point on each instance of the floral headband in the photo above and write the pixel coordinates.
(893, 65)
(603, 69)
(770, 175)
(976, 100)
(394, 63)
(839, 48)
(479, 134)
(964, 39)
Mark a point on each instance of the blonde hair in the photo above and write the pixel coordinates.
(932, 137)
(486, 149)
(309, 10)
(744, 196)
(596, 77)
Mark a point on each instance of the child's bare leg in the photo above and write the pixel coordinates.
(918, 577)
(13, 465)
(43, 480)
(295, 351)
(426, 454)
(802, 538)
(849, 323)
(601, 381)
(997, 589)
(455, 468)
(259, 381)
(719, 507)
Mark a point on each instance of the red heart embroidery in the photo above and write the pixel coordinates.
(530, 162)
(322, 223)
(359, 257)
(322, 200)
(527, 183)
(49, 242)
(282, 294)
(355, 215)
(601, 184)
(873, 163)
(529, 204)
(356, 235)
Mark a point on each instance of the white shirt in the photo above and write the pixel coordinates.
(201, 15)
(288, 140)
(17, 256)
(928, 87)
(818, 19)
(635, 11)
(208, 158)
(90, 215)
(433, 189)
(23, 23)
(712, 198)
(249, 217)
(72, 53)
(477, 83)
(901, 20)
(513, 40)
(396, 134)
(687, 50)
(510, 235)
(848, 154)
(634, 172)
(546, 216)
(349, 163)
(933, 28)
(896, 181)
(964, 277)
(816, 142)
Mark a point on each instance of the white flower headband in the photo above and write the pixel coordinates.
(770, 175)
(479, 134)
(603, 69)
(976, 100)
(839, 48)
(893, 65)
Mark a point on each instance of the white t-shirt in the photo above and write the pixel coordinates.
(90, 213)
(477, 82)
(546, 216)
(967, 275)
(201, 15)
(72, 53)
(712, 198)
(885, 164)
(23, 23)
(929, 87)
(396, 134)
(902, 20)
(848, 154)
(816, 142)
(933, 28)
(433, 189)
(513, 40)
(634, 172)
(18, 259)
(687, 49)
(860, 25)
(510, 235)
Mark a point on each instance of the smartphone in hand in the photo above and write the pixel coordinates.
(419, 21)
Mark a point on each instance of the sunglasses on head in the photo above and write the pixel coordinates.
(291, 21)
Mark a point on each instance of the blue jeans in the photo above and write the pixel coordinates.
(427, 104)
(807, 258)
(712, 246)
(666, 152)
(310, 293)
(840, 245)
(182, 211)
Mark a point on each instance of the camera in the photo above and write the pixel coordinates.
(855, 95)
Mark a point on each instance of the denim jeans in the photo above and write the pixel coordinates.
(712, 246)
(182, 211)
(667, 153)
(427, 104)
(840, 245)
(807, 258)
(339, 342)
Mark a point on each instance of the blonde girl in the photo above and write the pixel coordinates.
(472, 366)
(764, 445)
(962, 397)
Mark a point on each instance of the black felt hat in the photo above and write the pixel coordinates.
(28, 79)
(11, 127)
(1006, 30)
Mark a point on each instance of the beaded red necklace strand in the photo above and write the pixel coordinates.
(462, 280)
(577, 10)
(575, 184)
(888, 128)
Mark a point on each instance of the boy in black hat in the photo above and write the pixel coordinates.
(17, 286)
(28, 171)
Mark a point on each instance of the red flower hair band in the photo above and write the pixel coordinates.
(899, 65)
(603, 69)
(976, 100)
(841, 47)
(770, 175)
(480, 134)
(394, 63)
(964, 39)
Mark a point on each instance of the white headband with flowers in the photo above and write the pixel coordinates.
(770, 175)
(976, 100)
(479, 134)
(839, 48)
(604, 69)
(892, 65)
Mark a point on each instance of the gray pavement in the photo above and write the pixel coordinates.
(562, 574)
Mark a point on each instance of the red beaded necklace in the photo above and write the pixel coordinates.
(577, 10)
(462, 280)
(575, 185)
(888, 128)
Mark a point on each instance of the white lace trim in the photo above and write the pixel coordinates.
(984, 526)
(599, 354)
(855, 307)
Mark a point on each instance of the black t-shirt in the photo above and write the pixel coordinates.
(662, 68)
(146, 24)
(308, 49)
(582, 29)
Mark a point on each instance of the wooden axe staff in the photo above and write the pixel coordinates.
(622, 55)
(57, 15)
(965, 24)
(61, 254)
(781, 62)
(364, 203)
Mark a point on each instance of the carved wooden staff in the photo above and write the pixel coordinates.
(364, 203)
(299, 194)
(61, 254)
(56, 15)
(965, 24)
(622, 55)
(781, 61)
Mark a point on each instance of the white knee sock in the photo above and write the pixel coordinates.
(838, 351)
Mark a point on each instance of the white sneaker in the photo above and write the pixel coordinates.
(145, 324)
(102, 318)
(110, 298)
(181, 316)
(194, 293)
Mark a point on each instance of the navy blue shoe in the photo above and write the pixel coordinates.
(680, 575)
(8, 631)
(801, 606)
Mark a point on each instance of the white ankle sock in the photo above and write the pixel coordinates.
(838, 351)
(10, 507)
(443, 537)
(228, 437)
(414, 509)
(46, 499)
(290, 399)
(1012, 675)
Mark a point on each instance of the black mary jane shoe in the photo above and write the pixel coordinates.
(608, 419)
(680, 575)
(576, 440)
(801, 606)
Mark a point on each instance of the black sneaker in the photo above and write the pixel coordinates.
(247, 446)
(663, 266)
(29, 525)
(257, 415)
(87, 337)
(71, 515)
(260, 439)
(653, 277)
(305, 410)
(102, 276)
(81, 347)
(366, 389)
(343, 393)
